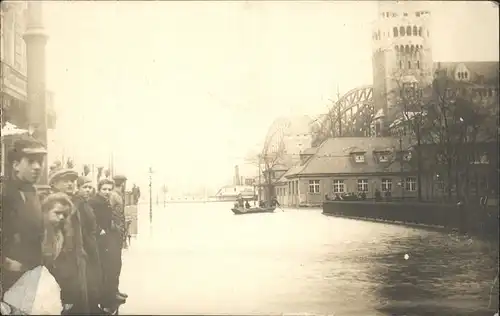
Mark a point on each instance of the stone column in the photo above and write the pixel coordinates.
(36, 39)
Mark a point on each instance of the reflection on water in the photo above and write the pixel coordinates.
(200, 258)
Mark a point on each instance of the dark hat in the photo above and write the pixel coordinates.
(27, 145)
(57, 173)
(82, 180)
(120, 177)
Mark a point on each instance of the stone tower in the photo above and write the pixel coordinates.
(402, 54)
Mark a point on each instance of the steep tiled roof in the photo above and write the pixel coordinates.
(310, 151)
(333, 157)
(487, 69)
(294, 170)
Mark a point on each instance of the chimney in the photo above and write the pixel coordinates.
(236, 175)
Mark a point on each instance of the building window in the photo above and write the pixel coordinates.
(409, 64)
(419, 31)
(411, 184)
(386, 185)
(405, 14)
(408, 30)
(338, 186)
(383, 158)
(402, 30)
(313, 186)
(362, 185)
(481, 159)
(415, 31)
(400, 64)
(483, 183)
(418, 64)
(359, 158)
(395, 31)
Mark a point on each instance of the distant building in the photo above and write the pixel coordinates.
(402, 54)
(231, 192)
(14, 63)
(291, 135)
(348, 164)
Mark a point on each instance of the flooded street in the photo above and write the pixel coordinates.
(202, 259)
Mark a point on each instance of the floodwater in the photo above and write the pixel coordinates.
(202, 259)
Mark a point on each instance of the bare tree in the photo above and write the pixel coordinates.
(411, 102)
(327, 125)
(272, 155)
(451, 116)
(461, 115)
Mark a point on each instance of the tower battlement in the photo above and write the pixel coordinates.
(401, 50)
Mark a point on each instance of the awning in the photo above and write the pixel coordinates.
(11, 130)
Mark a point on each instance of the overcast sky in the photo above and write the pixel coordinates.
(189, 87)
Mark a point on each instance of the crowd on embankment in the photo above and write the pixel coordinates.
(71, 229)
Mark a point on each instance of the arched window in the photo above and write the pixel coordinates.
(396, 48)
(407, 49)
(459, 75)
(395, 31)
(400, 64)
(412, 49)
(465, 75)
(415, 31)
(408, 30)
(418, 64)
(402, 30)
(378, 34)
(420, 31)
(421, 46)
(409, 64)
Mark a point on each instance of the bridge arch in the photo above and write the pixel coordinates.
(351, 115)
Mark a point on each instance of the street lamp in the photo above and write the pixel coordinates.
(150, 197)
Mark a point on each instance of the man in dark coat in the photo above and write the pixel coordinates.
(22, 222)
(107, 243)
(117, 201)
(89, 238)
(71, 268)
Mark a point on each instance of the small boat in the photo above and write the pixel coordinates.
(241, 210)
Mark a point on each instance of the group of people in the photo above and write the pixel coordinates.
(77, 235)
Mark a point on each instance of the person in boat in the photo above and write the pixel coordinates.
(247, 205)
(239, 198)
(274, 202)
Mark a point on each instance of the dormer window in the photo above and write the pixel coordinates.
(383, 158)
(359, 158)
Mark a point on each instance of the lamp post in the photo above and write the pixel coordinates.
(260, 182)
(36, 39)
(150, 197)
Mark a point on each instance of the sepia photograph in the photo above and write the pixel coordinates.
(273, 157)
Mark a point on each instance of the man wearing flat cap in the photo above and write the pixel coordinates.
(71, 268)
(89, 238)
(22, 221)
(117, 201)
